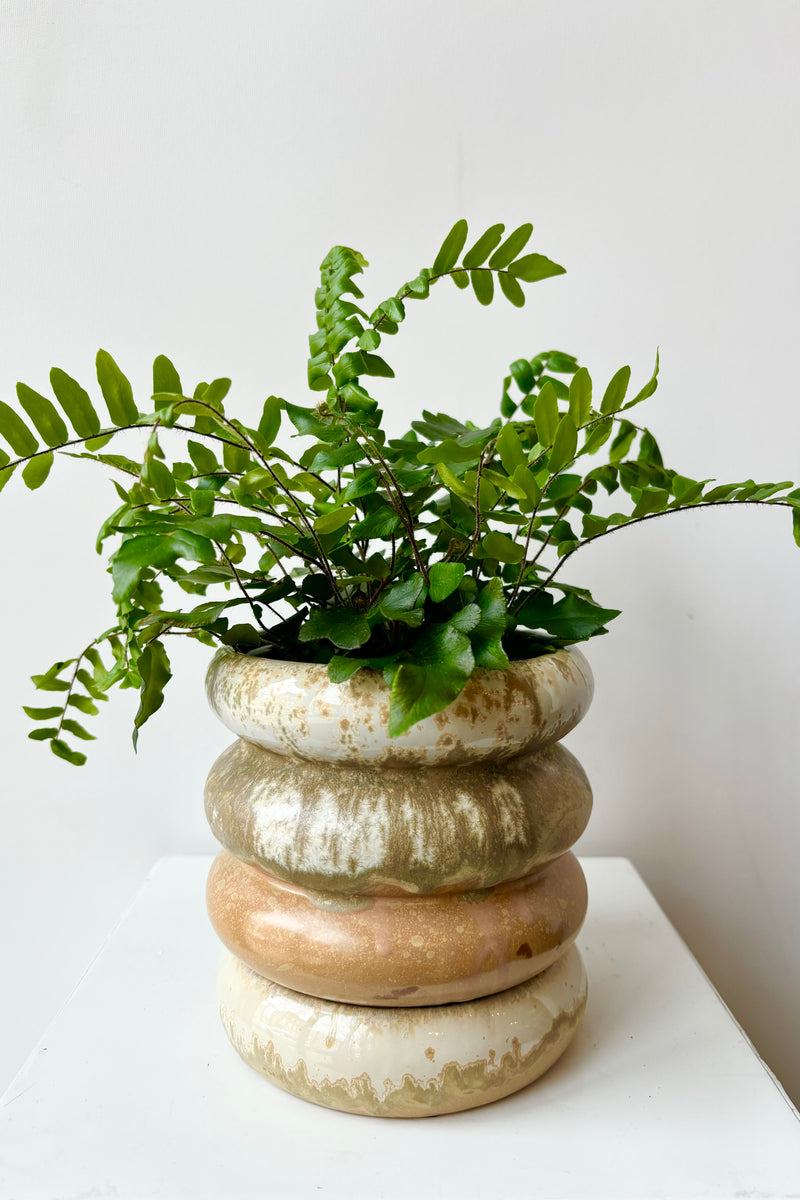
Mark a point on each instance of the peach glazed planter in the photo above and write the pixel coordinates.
(399, 913)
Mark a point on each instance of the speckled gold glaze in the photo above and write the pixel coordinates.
(358, 829)
(412, 1062)
(293, 708)
(397, 951)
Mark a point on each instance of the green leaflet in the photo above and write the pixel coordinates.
(44, 415)
(270, 421)
(722, 493)
(375, 365)
(466, 619)
(650, 453)
(523, 374)
(341, 669)
(418, 288)
(235, 459)
(482, 285)
(344, 627)
(159, 477)
(333, 460)
(580, 397)
(648, 388)
(526, 480)
(488, 491)
(394, 310)
(616, 390)
(203, 458)
(172, 408)
(593, 526)
(77, 730)
(202, 502)
(42, 714)
(558, 361)
(514, 244)
(381, 523)
(444, 579)
(491, 602)
(165, 377)
(304, 481)
(349, 367)
(449, 451)
(16, 432)
(506, 484)
(116, 389)
(155, 673)
(453, 483)
(486, 638)
(511, 290)
(572, 619)
(534, 267)
(502, 547)
(597, 435)
(75, 403)
(651, 500)
(35, 472)
(5, 471)
(565, 444)
(442, 664)
(623, 441)
(438, 425)
(363, 484)
(137, 554)
(450, 248)
(491, 656)
(486, 243)
(62, 750)
(330, 522)
(545, 414)
(50, 682)
(370, 339)
(403, 602)
(214, 393)
(509, 447)
(686, 490)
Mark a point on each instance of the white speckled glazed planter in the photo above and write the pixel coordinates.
(388, 891)
(293, 708)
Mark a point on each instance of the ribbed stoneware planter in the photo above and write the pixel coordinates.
(399, 912)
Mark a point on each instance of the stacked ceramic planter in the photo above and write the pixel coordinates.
(399, 912)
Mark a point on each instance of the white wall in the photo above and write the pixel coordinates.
(173, 173)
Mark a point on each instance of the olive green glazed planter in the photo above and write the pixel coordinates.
(399, 913)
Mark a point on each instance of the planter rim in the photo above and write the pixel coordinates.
(296, 665)
(293, 709)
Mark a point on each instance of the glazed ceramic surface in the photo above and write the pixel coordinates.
(293, 708)
(411, 1062)
(396, 951)
(400, 912)
(362, 830)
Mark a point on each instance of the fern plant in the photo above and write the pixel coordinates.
(425, 557)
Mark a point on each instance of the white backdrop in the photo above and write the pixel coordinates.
(172, 175)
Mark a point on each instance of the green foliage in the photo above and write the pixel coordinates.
(154, 673)
(310, 535)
